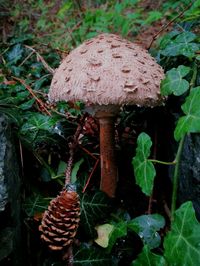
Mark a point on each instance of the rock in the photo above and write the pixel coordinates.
(10, 231)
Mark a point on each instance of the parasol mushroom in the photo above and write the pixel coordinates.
(105, 73)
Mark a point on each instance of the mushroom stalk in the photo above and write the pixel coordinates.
(109, 173)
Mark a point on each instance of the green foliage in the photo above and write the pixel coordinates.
(190, 123)
(75, 170)
(94, 208)
(147, 227)
(147, 257)
(180, 44)
(36, 204)
(90, 256)
(143, 168)
(174, 82)
(183, 240)
(119, 230)
(15, 54)
(53, 29)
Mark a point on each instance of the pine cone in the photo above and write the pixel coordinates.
(60, 222)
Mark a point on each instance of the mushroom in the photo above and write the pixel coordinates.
(105, 73)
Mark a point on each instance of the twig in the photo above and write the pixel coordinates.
(40, 58)
(40, 102)
(69, 166)
(167, 210)
(31, 53)
(88, 152)
(21, 157)
(72, 147)
(168, 24)
(90, 176)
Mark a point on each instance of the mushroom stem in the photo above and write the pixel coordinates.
(109, 172)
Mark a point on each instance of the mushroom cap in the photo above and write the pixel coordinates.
(108, 70)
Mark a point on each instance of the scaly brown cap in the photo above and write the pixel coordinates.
(108, 70)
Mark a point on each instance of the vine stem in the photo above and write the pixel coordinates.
(168, 24)
(161, 162)
(176, 177)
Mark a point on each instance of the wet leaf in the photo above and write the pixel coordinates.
(148, 258)
(182, 243)
(190, 123)
(174, 82)
(143, 168)
(147, 227)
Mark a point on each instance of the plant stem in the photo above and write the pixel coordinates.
(176, 177)
(161, 162)
(194, 76)
(178, 155)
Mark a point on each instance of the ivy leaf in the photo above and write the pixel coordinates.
(35, 123)
(35, 204)
(166, 39)
(15, 54)
(93, 208)
(174, 82)
(27, 105)
(148, 258)
(143, 168)
(12, 114)
(190, 123)
(182, 44)
(119, 230)
(90, 256)
(182, 243)
(146, 226)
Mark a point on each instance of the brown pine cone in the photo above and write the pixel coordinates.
(60, 222)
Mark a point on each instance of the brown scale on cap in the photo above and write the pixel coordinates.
(106, 72)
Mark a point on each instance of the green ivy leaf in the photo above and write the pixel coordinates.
(38, 121)
(174, 82)
(90, 256)
(119, 230)
(182, 44)
(93, 208)
(182, 243)
(27, 105)
(146, 226)
(35, 204)
(15, 54)
(190, 123)
(12, 114)
(148, 258)
(143, 168)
